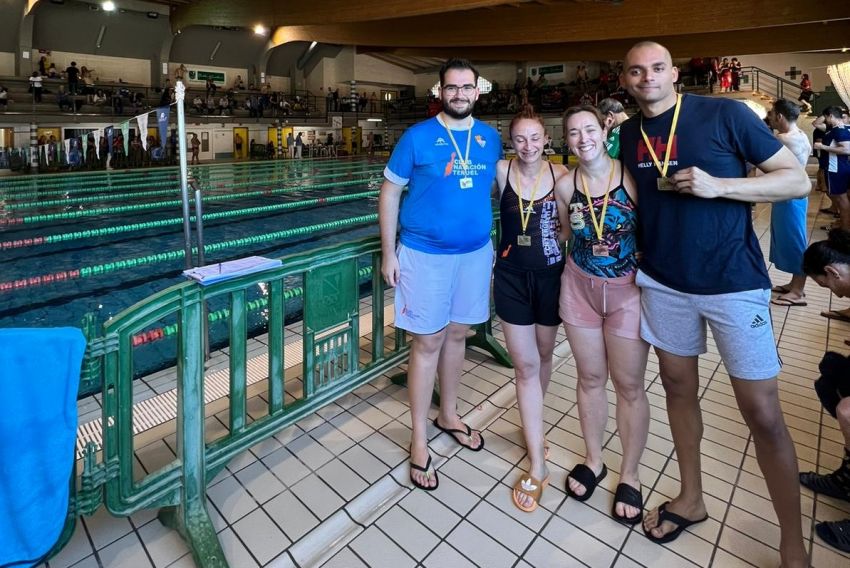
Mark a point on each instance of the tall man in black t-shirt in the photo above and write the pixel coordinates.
(702, 265)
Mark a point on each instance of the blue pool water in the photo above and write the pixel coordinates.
(64, 303)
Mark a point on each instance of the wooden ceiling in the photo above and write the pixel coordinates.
(520, 30)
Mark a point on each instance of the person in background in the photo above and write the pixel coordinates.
(299, 144)
(4, 97)
(735, 67)
(36, 86)
(615, 115)
(195, 144)
(72, 75)
(788, 236)
(828, 264)
(806, 93)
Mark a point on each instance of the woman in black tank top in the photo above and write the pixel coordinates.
(526, 283)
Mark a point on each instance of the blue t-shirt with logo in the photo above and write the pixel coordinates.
(447, 208)
(691, 244)
(832, 162)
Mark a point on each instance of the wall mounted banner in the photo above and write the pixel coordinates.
(162, 114)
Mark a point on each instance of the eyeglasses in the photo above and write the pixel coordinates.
(452, 90)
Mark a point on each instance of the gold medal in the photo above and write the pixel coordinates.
(599, 249)
(523, 240)
(466, 183)
(665, 184)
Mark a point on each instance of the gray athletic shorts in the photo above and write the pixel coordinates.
(740, 323)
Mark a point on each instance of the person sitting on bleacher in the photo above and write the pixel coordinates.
(64, 100)
(4, 97)
(99, 98)
(224, 105)
(198, 105)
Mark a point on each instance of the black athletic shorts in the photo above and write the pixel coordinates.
(526, 297)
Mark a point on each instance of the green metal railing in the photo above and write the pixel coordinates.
(332, 366)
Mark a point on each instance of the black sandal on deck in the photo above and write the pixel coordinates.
(629, 496)
(456, 434)
(586, 477)
(425, 470)
(681, 524)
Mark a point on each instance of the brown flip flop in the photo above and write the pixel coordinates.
(786, 302)
(835, 315)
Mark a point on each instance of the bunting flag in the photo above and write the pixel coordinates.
(162, 114)
(67, 142)
(84, 146)
(110, 134)
(142, 119)
(98, 134)
(125, 132)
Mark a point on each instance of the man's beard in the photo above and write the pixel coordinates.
(447, 108)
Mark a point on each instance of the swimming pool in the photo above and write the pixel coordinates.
(75, 244)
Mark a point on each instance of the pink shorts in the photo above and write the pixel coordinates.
(612, 304)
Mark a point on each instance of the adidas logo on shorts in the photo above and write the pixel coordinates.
(758, 321)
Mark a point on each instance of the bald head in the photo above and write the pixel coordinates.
(653, 46)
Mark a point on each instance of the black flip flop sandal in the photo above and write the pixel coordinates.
(681, 524)
(456, 434)
(628, 495)
(423, 470)
(586, 477)
(835, 533)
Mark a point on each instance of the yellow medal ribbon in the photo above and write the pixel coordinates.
(464, 161)
(597, 225)
(524, 218)
(663, 169)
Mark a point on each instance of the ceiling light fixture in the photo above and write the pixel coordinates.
(108, 6)
(259, 29)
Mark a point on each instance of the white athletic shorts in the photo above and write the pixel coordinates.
(435, 289)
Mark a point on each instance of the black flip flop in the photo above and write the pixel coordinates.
(456, 434)
(835, 533)
(627, 495)
(586, 477)
(681, 524)
(424, 470)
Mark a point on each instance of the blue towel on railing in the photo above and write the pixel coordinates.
(39, 378)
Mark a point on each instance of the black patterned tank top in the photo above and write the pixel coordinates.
(543, 229)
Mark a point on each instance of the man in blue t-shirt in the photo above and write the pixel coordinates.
(441, 266)
(702, 265)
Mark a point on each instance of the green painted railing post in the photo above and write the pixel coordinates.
(377, 308)
(190, 518)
